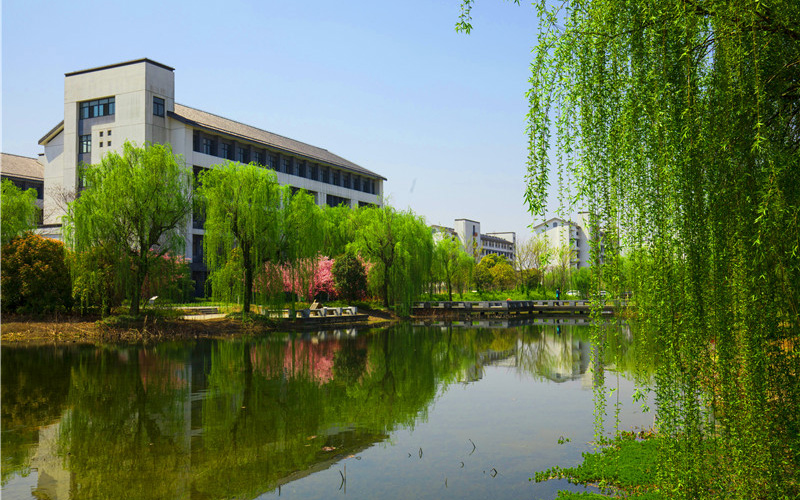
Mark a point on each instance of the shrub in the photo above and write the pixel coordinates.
(169, 278)
(35, 277)
(95, 284)
(349, 277)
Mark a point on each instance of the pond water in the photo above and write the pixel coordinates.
(404, 412)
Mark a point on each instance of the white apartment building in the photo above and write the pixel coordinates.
(135, 101)
(575, 235)
(474, 243)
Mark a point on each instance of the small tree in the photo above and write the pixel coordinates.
(448, 256)
(349, 277)
(483, 273)
(503, 275)
(136, 204)
(35, 277)
(18, 211)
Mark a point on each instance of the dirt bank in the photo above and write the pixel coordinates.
(21, 330)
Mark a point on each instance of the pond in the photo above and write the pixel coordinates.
(405, 412)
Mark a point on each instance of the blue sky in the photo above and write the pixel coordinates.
(388, 85)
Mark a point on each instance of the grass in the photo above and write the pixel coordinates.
(624, 467)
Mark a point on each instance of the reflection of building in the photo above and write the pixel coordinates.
(558, 355)
(135, 101)
(474, 243)
(575, 235)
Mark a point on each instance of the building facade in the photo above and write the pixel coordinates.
(135, 101)
(575, 235)
(477, 244)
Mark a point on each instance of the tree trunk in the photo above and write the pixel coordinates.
(138, 280)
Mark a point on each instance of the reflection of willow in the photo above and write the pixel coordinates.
(127, 426)
(561, 353)
(32, 397)
(273, 409)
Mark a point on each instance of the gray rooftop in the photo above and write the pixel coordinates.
(212, 122)
(21, 167)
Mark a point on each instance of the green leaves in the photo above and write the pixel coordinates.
(18, 211)
(133, 202)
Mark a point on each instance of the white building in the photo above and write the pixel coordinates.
(474, 243)
(576, 235)
(135, 101)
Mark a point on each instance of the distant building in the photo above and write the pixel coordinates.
(479, 245)
(575, 235)
(135, 101)
(26, 173)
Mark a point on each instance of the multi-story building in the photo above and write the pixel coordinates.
(574, 235)
(479, 245)
(135, 101)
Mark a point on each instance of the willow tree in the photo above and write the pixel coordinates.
(18, 211)
(450, 259)
(678, 124)
(400, 245)
(242, 205)
(135, 207)
(302, 235)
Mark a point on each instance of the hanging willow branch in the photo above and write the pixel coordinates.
(675, 123)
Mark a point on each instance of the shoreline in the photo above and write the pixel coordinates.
(92, 330)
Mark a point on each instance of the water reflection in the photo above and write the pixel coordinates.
(223, 419)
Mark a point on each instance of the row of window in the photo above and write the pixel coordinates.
(98, 107)
(230, 150)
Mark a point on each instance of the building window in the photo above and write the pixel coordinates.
(242, 155)
(273, 162)
(208, 146)
(335, 201)
(258, 157)
(225, 151)
(287, 165)
(326, 175)
(108, 144)
(301, 168)
(86, 143)
(336, 177)
(101, 133)
(314, 169)
(357, 183)
(346, 179)
(99, 107)
(158, 106)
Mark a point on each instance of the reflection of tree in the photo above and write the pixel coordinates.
(34, 392)
(561, 353)
(127, 423)
(263, 412)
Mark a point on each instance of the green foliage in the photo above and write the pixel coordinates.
(676, 124)
(18, 212)
(494, 272)
(582, 280)
(625, 465)
(451, 264)
(243, 210)
(349, 277)
(169, 279)
(95, 281)
(483, 272)
(400, 246)
(35, 278)
(136, 207)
